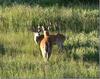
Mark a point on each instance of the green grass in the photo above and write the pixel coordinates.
(22, 17)
(21, 57)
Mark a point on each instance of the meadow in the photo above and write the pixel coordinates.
(20, 57)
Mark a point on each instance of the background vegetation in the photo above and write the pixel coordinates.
(78, 20)
(49, 2)
(21, 17)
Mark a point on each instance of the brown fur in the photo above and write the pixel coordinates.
(53, 38)
(45, 46)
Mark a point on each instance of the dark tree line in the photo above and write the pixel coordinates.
(49, 2)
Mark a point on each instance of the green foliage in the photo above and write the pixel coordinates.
(22, 58)
(22, 17)
(83, 44)
(48, 2)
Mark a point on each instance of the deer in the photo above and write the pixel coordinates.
(37, 36)
(56, 39)
(45, 44)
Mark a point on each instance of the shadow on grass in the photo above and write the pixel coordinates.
(2, 49)
(87, 56)
(9, 51)
(91, 57)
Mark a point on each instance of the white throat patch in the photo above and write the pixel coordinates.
(36, 35)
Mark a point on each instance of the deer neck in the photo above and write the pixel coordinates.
(46, 34)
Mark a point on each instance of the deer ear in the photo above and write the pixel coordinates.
(43, 28)
(39, 28)
(48, 28)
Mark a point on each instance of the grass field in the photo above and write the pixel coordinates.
(21, 57)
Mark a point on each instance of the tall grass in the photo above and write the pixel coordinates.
(20, 57)
(22, 17)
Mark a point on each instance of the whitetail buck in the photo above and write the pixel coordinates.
(45, 45)
(57, 39)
